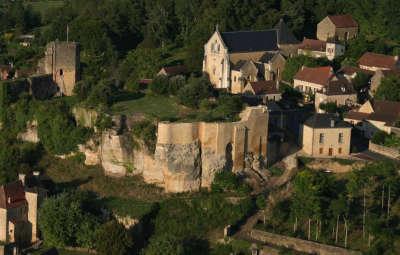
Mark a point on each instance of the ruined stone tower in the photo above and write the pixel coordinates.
(62, 61)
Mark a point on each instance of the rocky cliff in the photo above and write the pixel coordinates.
(187, 155)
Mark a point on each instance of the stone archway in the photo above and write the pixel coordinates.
(228, 157)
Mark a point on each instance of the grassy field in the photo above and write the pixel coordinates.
(155, 106)
(43, 5)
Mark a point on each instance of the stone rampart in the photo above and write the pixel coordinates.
(300, 244)
(188, 155)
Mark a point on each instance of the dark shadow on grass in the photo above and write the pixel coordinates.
(126, 96)
(70, 185)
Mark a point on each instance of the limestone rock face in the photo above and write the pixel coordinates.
(91, 151)
(116, 153)
(31, 133)
(212, 163)
(181, 166)
(85, 117)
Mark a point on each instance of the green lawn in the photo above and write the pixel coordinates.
(160, 107)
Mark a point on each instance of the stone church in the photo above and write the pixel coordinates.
(231, 59)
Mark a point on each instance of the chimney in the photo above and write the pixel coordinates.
(396, 58)
(332, 123)
(22, 178)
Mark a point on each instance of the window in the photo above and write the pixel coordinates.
(340, 150)
(61, 72)
(340, 138)
(234, 78)
(321, 138)
(321, 150)
(219, 47)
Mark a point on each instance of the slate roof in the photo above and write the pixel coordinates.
(384, 111)
(264, 87)
(285, 36)
(12, 195)
(249, 41)
(312, 44)
(317, 75)
(323, 120)
(343, 21)
(262, 40)
(378, 60)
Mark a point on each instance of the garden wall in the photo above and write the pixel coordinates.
(383, 150)
(300, 244)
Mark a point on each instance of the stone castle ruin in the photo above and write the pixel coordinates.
(62, 61)
(187, 155)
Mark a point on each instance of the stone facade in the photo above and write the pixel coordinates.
(62, 61)
(327, 29)
(345, 99)
(320, 140)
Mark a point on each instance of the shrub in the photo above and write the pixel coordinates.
(113, 239)
(194, 92)
(57, 128)
(226, 181)
(379, 137)
(159, 85)
(64, 220)
(329, 107)
(146, 131)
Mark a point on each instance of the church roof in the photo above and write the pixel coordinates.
(261, 40)
(249, 41)
(285, 36)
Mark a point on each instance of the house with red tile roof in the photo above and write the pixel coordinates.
(374, 61)
(375, 115)
(173, 70)
(309, 80)
(19, 212)
(320, 49)
(337, 27)
(264, 90)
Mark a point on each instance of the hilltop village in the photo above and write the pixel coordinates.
(276, 143)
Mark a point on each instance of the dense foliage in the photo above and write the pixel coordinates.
(359, 211)
(389, 89)
(112, 238)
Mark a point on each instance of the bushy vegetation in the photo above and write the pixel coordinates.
(181, 226)
(112, 238)
(358, 211)
(389, 89)
(146, 131)
(226, 181)
(385, 139)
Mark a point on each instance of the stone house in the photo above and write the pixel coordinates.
(62, 60)
(173, 70)
(263, 91)
(320, 49)
(309, 80)
(376, 79)
(224, 50)
(18, 212)
(244, 71)
(271, 65)
(337, 27)
(375, 115)
(339, 91)
(325, 135)
(374, 62)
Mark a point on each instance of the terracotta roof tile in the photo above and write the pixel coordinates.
(12, 195)
(175, 70)
(343, 20)
(318, 75)
(264, 87)
(378, 60)
(312, 44)
(384, 111)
